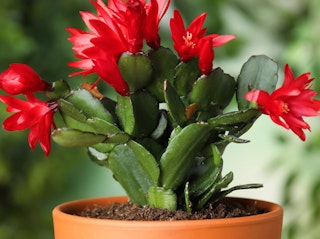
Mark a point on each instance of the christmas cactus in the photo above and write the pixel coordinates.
(164, 133)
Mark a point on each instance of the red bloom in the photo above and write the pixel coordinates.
(102, 41)
(117, 28)
(191, 41)
(287, 105)
(33, 114)
(21, 79)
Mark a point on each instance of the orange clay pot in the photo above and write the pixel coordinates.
(68, 226)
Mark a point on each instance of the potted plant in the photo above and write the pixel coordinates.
(164, 130)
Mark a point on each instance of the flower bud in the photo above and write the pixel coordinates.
(21, 79)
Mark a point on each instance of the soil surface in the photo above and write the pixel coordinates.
(130, 211)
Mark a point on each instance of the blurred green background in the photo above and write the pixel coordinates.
(33, 32)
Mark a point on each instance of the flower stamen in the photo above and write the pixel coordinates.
(188, 40)
(53, 105)
(285, 108)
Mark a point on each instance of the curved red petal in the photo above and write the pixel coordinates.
(288, 76)
(33, 136)
(219, 40)
(276, 119)
(45, 132)
(206, 57)
(109, 71)
(258, 96)
(14, 104)
(195, 26)
(177, 28)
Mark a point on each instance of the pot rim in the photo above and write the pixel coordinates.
(64, 212)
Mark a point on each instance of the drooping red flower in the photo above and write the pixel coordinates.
(89, 54)
(155, 12)
(191, 41)
(117, 28)
(287, 105)
(21, 79)
(102, 40)
(33, 114)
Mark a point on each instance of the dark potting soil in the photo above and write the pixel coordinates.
(130, 211)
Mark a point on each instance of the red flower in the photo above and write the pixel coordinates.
(287, 105)
(117, 28)
(21, 79)
(191, 41)
(33, 114)
(155, 12)
(102, 41)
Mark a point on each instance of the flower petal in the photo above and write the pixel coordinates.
(219, 40)
(287, 105)
(206, 57)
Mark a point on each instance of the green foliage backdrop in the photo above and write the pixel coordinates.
(32, 32)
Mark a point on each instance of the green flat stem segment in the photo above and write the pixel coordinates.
(159, 197)
(175, 163)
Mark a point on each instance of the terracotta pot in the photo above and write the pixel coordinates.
(68, 226)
